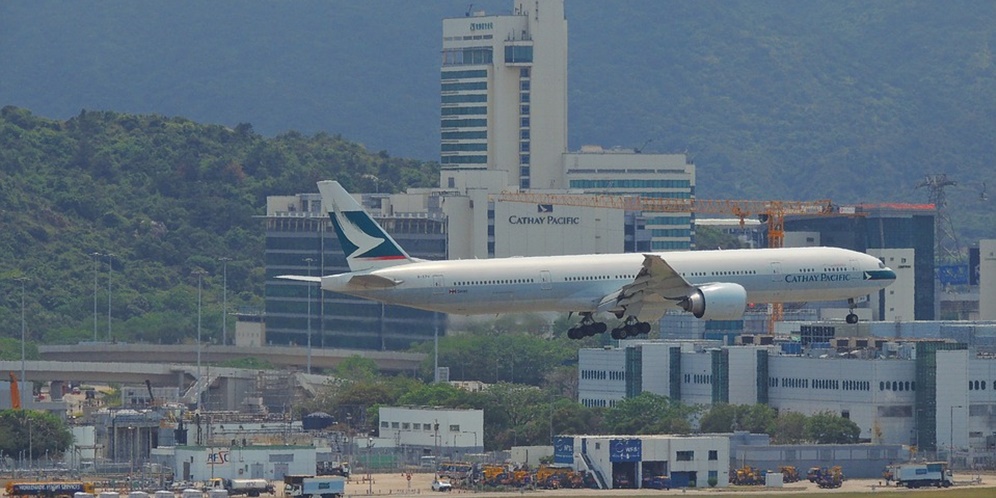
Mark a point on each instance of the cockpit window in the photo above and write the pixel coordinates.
(881, 265)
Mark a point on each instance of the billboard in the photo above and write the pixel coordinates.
(625, 450)
(563, 450)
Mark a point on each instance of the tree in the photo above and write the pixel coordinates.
(722, 417)
(649, 413)
(829, 428)
(790, 428)
(32, 431)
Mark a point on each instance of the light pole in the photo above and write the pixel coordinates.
(110, 270)
(200, 278)
(951, 433)
(224, 300)
(24, 382)
(309, 261)
(96, 258)
(370, 443)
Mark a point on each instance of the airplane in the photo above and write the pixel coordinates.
(637, 288)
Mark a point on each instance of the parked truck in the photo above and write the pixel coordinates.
(48, 489)
(235, 487)
(303, 486)
(915, 475)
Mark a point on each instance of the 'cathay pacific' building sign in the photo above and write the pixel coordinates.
(548, 219)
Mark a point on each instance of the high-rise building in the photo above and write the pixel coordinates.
(884, 226)
(504, 94)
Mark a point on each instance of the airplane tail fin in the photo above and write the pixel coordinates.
(366, 244)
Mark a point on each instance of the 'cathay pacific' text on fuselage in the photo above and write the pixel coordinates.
(818, 277)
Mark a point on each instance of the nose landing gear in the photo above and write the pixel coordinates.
(852, 318)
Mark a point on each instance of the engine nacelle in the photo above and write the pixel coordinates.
(722, 301)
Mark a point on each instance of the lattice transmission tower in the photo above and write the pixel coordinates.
(946, 244)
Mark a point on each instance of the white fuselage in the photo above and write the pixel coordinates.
(579, 283)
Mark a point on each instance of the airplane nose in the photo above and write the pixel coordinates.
(885, 274)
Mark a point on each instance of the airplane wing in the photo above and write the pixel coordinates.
(655, 289)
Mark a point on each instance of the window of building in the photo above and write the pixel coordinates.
(395, 425)
(685, 456)
(383, 423)
(713, 454)
(454, 427)
(405, 425)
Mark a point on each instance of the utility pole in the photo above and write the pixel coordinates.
(224, 300)
(24, 381)
(197, 383)
(309, 261)
(110, 270)
(96, 258)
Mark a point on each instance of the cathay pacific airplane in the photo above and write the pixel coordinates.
(636, 288)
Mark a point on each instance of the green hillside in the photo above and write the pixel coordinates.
(845, 99)
(167, 197)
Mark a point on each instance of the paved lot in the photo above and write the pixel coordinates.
(394, 484)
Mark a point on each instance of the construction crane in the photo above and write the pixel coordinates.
(771, 212)
(15, 393)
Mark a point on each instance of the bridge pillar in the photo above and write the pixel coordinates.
(55, 389)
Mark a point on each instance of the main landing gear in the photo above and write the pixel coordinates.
(589, 327)
(851, 317)
(631, 327)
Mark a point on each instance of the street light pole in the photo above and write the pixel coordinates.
(224, 300)
(951, 433)
(309, 260)
(96, 258)
(197, 384)
(24, 382)
(110, 270)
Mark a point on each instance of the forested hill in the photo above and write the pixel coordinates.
(852, 100)
(167, 197)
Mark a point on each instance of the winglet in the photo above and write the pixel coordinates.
(366, 244)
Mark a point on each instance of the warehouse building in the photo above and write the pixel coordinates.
(937, 396)
(621, 462)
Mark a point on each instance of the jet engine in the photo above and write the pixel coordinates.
(721, 301)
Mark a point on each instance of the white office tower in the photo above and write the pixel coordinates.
(504, 95)
(987, 281)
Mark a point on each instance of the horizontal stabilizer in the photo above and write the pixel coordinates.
(300, 278)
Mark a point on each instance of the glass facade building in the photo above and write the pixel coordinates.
(293, 237)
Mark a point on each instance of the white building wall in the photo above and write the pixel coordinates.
(899, 297)
(430, 428)
(981, 400)
(987, 279)
(657, 368)
(743, 375)
(596, 385)
(857, 388)
(952, 399)
(272, 462)
(664, 448)
(696, 382)
(523, 229)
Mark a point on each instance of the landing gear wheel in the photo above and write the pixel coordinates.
(852, 318)
(598, 328)
(643, 328)
(619, 333)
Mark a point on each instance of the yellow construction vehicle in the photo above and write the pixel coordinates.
(789, 473)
